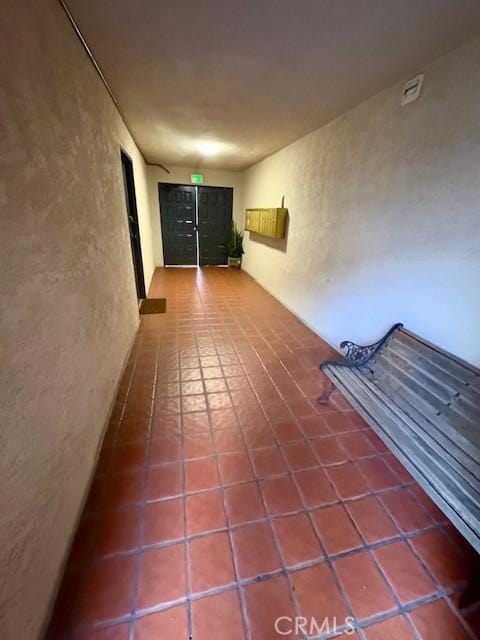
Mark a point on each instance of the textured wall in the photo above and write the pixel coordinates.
(68, 304)
(181, 175)
(384, 215)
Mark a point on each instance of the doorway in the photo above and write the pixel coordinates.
(133, 227)
(178, 215)
(214, 224)
(196, 223)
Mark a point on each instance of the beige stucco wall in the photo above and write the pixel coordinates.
(384, 207)
(68, 305)
(384, 226)
(181, 175)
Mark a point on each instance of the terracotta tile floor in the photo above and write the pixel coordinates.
(226, 497)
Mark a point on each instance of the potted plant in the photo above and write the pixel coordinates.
(234, 247)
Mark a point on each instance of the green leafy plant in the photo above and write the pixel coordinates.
(234, 246)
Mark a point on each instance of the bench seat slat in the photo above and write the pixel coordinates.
(462, 507)
(423, 446)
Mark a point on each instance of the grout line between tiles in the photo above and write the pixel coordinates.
(256, 357)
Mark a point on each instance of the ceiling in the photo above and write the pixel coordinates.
(255, 75)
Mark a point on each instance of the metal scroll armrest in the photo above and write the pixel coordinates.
(355, 356)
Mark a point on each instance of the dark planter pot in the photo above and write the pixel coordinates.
(235, 263)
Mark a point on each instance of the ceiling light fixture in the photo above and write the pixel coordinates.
(209, 147)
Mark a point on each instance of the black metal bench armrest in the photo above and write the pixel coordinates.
(357, 355)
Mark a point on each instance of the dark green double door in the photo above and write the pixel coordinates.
(196, 223)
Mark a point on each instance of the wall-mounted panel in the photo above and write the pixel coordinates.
(267, 222)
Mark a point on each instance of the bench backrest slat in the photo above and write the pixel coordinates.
(423, 376)
(440, 375)
(387, 374)
(461, 370)
(426, 377)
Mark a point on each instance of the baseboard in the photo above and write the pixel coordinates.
(58, 583)
(287, 306)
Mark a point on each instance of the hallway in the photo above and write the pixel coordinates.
(225, 497)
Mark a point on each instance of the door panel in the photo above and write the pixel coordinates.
(178, 217)
(214, 223)
(133, 227)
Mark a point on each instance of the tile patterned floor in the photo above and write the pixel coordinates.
(225, 496)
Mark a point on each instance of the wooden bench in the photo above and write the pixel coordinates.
(424, 403)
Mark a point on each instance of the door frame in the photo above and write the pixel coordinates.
(183, 184)
(132, 220)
